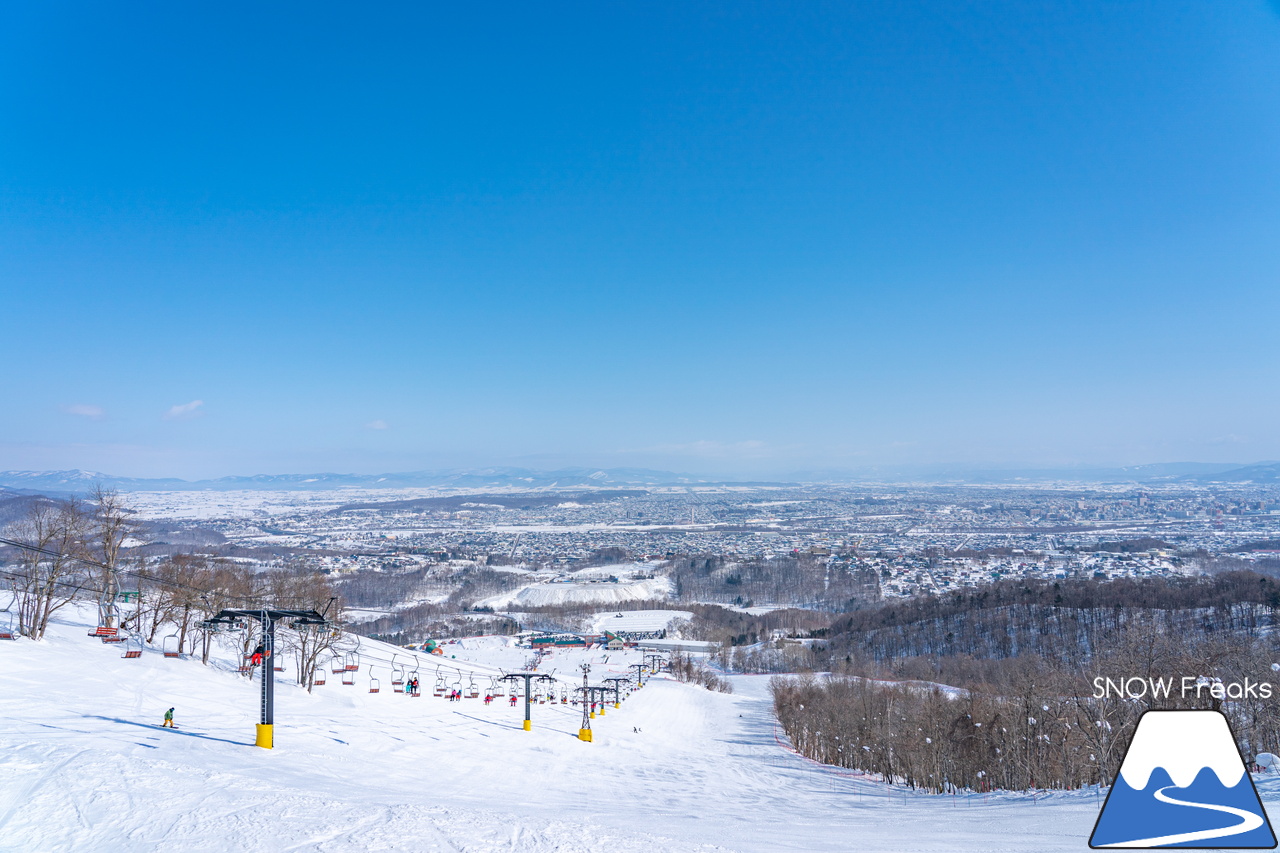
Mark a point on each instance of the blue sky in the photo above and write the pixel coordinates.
(731, 238)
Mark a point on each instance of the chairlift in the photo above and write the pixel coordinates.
(439, 688)
(348, 676)
(337, 665)
(132, 648)
(352, 663)
(374, 684)
(246, 663)
(170, 646)
(457, 682)
(564, 695)
(397, 675)
(317, 677)
(7, 630)
(473, 692)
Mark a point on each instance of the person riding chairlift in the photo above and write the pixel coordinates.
(259, 655)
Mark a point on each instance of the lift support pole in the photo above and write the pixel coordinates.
(584, 733)
(639, 668)
(618, 681)
(528, 682)
(267, 617)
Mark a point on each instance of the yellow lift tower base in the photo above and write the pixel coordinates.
(584, 734)
(528, 724)
(265, 736)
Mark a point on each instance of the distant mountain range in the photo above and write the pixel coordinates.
(81, 481)
(30, 482)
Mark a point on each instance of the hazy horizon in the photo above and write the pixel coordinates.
(745, 240)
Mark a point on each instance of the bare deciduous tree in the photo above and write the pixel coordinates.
(43, 583)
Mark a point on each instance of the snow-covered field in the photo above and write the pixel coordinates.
(637, 620)
(544, 594)
(85, 766)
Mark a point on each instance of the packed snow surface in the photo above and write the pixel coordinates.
(84, 765)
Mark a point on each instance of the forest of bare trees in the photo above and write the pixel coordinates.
(78, 553)
(800, 580)
(994, 687)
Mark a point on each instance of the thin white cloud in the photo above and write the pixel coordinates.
(378, 424)
(85, 410)
(185, 411)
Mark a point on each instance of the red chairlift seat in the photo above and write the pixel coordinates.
(133, 649)
(317, 680)
(170, 646)
(348, 676)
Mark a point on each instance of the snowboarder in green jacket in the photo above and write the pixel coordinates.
(168, 719)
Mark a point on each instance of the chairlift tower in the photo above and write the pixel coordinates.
(529, 678)
(584, 731)
(651, 659)
(597, 692)
(268, 617)
(618, 681)
(639, 668)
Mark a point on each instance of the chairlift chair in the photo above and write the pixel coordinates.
(473, 691)
(397, 675)
(7, 631)
(170, 646)
(374, 684)
(246, 663)
(413, 677)
(348, 676)
(317, 677)
(457, 683)
(132, 648)
(353, 662)
(439, 688)
(337, 665)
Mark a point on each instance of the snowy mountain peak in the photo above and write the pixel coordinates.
(1183, 743)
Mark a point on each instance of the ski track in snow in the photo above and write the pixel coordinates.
(84, 765)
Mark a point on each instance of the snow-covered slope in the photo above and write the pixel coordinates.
(85, 766)
(547, 594)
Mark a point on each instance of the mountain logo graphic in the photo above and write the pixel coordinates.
(1183, 784)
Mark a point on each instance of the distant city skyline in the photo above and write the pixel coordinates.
(733, 241)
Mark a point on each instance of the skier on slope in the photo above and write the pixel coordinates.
(168, 720)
